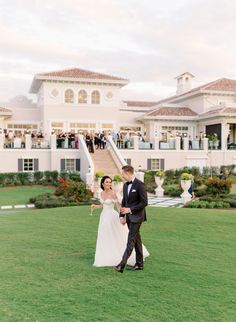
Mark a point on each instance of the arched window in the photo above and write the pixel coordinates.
(82, 96)
(95, 97)
(69, 96)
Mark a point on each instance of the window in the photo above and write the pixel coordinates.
(128, 161)
(22, 126)
(95, 97)
(107, 126)
(83, 125)
(82, 96)
(57, 125)
(155, 164)
(28, 165)
(70, 164)
(69, 96)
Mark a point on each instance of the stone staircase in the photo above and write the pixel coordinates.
(103, 161)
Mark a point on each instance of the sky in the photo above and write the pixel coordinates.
(149, 42)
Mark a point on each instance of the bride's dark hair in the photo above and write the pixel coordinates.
(103, 180)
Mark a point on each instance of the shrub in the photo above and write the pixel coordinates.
(75, 189)
(99, 174)
(64, 175)
(206, 204)
(160, 173)
(226, 199)
(186, 176)
(200, 191)
(40, 197)
(75, 176)
(23, 177)
(38, 175)
(117, 178)
(217, 187)
(170, 174)
(173, 190)
(51, 202)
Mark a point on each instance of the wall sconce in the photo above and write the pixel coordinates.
(139, 168)
(89, 169)
(155, 133)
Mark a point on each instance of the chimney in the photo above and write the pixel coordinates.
(184, 83)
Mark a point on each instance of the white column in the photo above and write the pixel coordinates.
(28, 142)
(2, 138)
(53, 142)
(205, 144)
(177, 143)
(136, 142)
(89, 181)
(150, 131)
(224, 135)
(186, 143)
(156, 143)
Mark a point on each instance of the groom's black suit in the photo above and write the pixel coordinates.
(136, 200)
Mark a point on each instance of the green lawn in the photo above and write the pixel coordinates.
(46, 268)
(20, 195)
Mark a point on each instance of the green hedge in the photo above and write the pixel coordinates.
(37, 177)
(207, 204)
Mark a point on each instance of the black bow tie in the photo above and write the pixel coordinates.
(129, 182)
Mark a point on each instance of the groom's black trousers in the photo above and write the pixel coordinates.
(134, 241)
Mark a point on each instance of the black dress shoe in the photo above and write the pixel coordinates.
(137, 267)
(119, 268)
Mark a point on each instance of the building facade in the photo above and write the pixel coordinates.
(195, 127)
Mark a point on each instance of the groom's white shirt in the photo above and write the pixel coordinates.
(130, 185)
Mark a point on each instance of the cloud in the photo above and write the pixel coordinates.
(149, 42)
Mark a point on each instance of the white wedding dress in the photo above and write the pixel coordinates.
(112, 238)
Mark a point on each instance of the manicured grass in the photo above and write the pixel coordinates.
(20, 195)
(47, 274)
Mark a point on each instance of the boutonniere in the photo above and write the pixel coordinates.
(134, 190)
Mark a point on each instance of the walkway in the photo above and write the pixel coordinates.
(154, 201)
(9, 207)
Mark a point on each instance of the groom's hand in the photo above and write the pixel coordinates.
(125, 210)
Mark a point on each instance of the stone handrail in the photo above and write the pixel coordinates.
(87, 162)
(115, 153)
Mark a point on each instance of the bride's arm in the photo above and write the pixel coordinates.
(117, 202)
(93, 206)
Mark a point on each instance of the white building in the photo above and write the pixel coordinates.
(76, 100)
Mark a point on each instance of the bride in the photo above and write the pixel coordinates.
(112, 233)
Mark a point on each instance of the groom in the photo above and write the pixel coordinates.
(133, 209)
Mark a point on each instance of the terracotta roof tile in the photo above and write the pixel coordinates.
(230, 110)
(221, 110)
(5, 110)
(140, 103)
(223, 84)
(172, 111)
(80, 73)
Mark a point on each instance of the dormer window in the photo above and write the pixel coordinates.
(69, 96)
(95, 97)
(82, 97)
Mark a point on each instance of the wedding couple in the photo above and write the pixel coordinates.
(119, 241)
